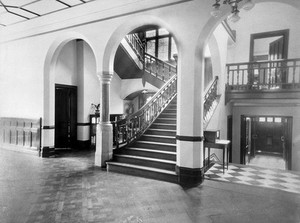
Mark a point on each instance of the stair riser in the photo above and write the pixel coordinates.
(168, 115)
(141, 162)
(167, 111)
(161, 133)
(143, 173)
(153, 154)
(167, 127)
(157, 147)
(172, 107)
(165, 121)
(158, 139)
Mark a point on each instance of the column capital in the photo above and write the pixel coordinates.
(105, 77)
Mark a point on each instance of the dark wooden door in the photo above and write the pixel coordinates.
(269, 137)
(243, 149)
(229, 135)
(276, 50)
(65, 116)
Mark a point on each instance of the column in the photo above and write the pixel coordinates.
(104, 135)
(190, 118)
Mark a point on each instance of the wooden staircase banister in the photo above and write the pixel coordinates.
(129, 129)
(159, 68)
(210, 101)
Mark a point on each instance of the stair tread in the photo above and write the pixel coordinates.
(160, 123)
(156, 143)
(146, 158)
(163, 130)
(143, 168)
(159, 136)
(166, 118)
(152, 150)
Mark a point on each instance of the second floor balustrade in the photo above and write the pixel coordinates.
(264, 75)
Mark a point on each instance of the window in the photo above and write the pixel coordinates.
(159, 43)
(163, 49)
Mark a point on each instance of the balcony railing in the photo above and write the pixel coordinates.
(264, 75)
(159, 68)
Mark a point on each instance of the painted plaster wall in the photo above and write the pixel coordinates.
(293, 111)
(264, 17)
(132, 85)
(66, 65)
(218, 48)
(21, 75)
(116, 100)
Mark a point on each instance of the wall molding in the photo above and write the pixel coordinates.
(49, 127)
(190, 138)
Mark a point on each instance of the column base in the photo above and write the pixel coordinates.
(190, 177)
(104, 144)
(47, 152)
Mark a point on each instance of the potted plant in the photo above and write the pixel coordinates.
(96, 108)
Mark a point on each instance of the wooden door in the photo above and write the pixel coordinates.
(276, 49)
(65, 116)
(276, 52)
(243, 149)
(229, 135)
(269, 137)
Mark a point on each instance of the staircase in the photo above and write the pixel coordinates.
(153, 155)
(146, 140)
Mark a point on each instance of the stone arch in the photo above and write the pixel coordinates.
(125, 28)
(49, 81)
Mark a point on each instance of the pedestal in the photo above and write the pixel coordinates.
(104, 144)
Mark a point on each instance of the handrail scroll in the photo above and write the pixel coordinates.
(132, 127)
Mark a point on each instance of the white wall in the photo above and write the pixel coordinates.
(116, 99)
(218, 47)
(132, 85)
(265, 17)
(66, 65)
(21, 76)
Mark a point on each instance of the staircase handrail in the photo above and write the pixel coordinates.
(132, 127)
(159, 68)
(210, 97)
(137, 45)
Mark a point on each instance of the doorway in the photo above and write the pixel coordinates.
(266, 141)
(65, 116)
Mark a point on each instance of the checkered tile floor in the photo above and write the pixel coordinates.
(256, 176)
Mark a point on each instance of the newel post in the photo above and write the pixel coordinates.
(104, 133)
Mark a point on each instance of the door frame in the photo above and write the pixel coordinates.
(288, 138)
(284, 33)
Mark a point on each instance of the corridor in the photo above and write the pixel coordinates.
(69, 188)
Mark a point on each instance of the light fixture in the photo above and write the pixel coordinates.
(248, 5)
(234, 17)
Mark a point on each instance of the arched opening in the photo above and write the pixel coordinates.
(70, 87)
(141, 63)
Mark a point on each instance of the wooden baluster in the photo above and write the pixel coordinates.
(294, 74)
(227, 85)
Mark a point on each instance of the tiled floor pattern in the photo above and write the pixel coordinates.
(256, 176)
(271, 162)
(70, 189)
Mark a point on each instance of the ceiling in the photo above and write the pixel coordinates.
(15, 11)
